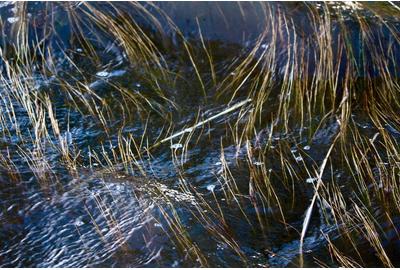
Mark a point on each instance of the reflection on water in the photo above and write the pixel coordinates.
(79, 227)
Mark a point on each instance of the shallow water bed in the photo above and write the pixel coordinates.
(195, 134)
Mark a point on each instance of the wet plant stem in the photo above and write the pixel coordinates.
(309, 211)
(190, 129)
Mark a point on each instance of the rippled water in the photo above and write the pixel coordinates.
(96, 217)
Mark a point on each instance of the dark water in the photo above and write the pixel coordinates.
(55, 216)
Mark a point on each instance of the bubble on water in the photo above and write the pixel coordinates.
(299, 158)
(102, 73)
(211, 188)
(138, 85)
(13, 19)
(258, 163)
(221, 246)
(307, 147)
(79, 50)
(176, 146)
(311, 180)
(78, 222)
(293, 150)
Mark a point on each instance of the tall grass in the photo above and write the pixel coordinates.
(299, 88)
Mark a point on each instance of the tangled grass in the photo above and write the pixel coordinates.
(321, 106)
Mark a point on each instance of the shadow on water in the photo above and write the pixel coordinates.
(91, 190)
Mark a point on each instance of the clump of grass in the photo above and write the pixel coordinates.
(294, 88)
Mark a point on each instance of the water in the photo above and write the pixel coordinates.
(108, 211)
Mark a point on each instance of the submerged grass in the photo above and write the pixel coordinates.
(295, 104)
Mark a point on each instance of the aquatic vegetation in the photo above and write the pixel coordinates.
(199, 134)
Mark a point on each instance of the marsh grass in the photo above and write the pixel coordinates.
(300, 89)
